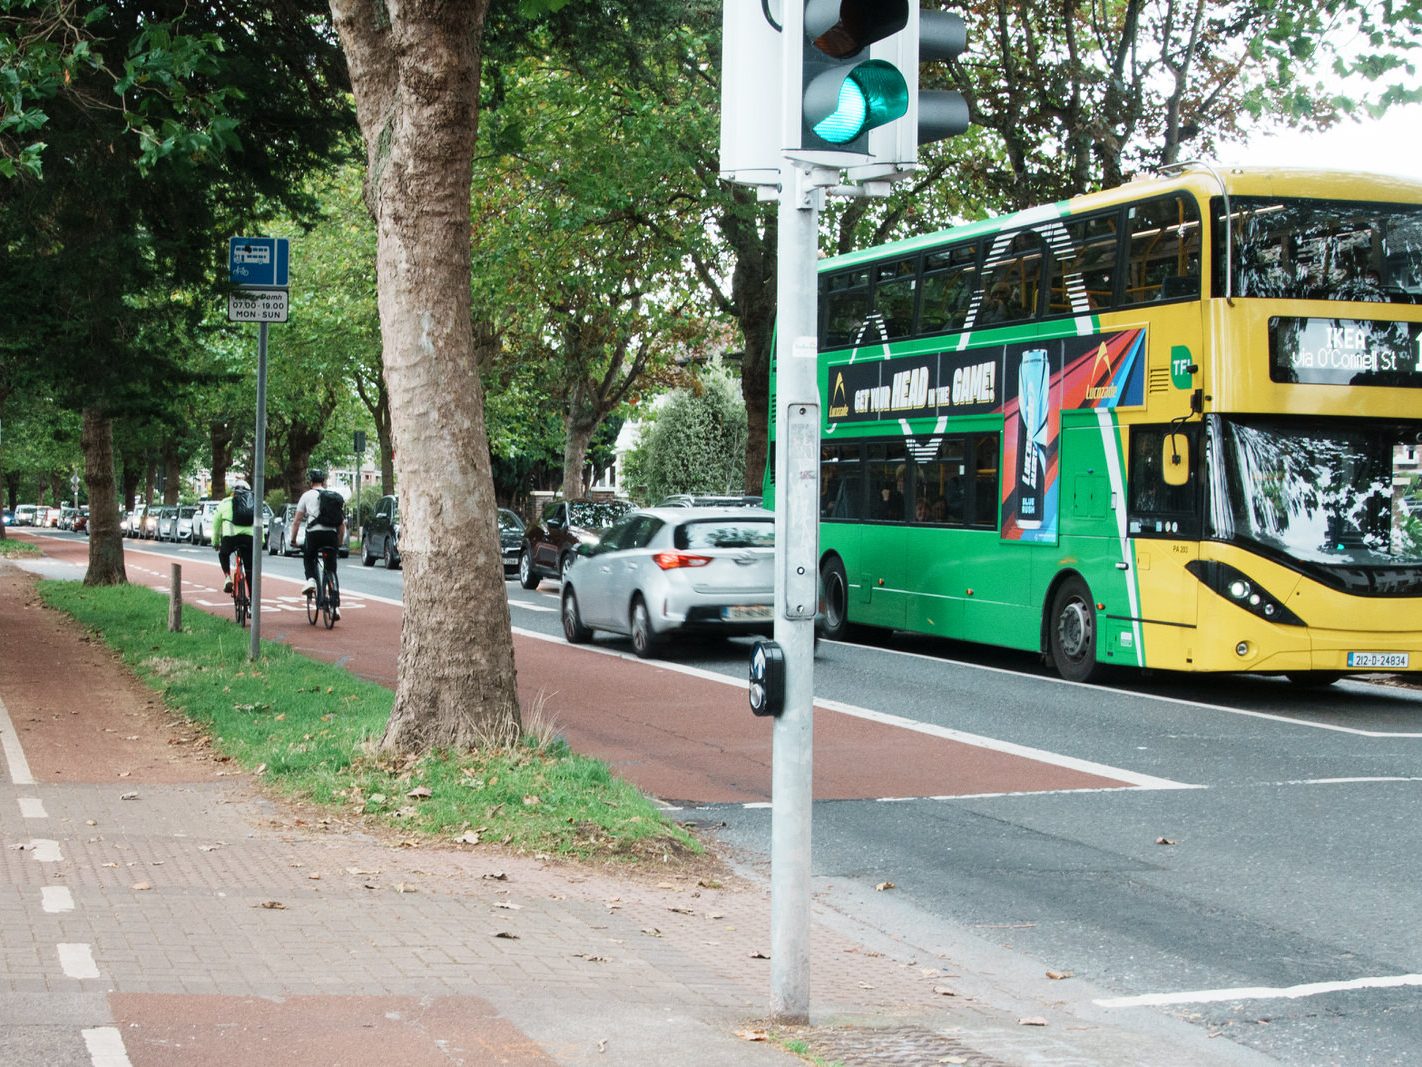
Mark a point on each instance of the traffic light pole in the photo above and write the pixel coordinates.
(797, 512)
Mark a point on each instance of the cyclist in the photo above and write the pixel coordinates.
(232, 529)
(324, 513)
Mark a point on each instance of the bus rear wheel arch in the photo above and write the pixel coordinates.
(1071, 637)
(834, 621)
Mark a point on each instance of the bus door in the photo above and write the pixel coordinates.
(941, 492)
(1164, 474)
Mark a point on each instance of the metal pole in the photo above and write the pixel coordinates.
(797, 427)
(259, 468)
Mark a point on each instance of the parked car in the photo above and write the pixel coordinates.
(24, 515)
(381, 537)
(81, 521)
(183, 525)
(703, 500)
(510, 540)
(168, 522)
(150, 522)
(66, 518)
(549, 545)
(202, 521)
(46, 516)
(277, 535)
(7, 517)
(674, 570)
(132, 522)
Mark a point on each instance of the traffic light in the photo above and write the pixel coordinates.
(845, 92)
(752, 145)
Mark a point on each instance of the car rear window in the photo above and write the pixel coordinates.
(726, 533)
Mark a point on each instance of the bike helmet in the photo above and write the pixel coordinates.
(239, 482)
(316, 476)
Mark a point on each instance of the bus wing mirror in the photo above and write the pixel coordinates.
(1175, 459)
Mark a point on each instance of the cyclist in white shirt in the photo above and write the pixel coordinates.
(325, 526)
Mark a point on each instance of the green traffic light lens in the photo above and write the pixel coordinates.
(870, 95)
(847, 121)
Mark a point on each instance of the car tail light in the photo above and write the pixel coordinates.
(670, 561)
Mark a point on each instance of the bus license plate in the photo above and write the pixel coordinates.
(1390, 660)
(743, 612)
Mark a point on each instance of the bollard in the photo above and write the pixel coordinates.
(175, 599)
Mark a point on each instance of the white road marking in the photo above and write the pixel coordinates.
(32, 808)
(531, 607)
(46, 851)
(105, 1045)
(78, 961)
(56, 899)
(1293, 992)
(15, 761)
(1140, 781)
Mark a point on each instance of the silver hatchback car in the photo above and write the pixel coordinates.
(667, 570)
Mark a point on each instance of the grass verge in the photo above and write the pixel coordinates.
(309, 729)
(11, 547)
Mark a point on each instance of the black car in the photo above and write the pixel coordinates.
(510, 540)
(549, 546)
(381, 537)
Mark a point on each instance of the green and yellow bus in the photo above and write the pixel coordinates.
(1173, 425)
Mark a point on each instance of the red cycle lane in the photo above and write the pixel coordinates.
(677, 735)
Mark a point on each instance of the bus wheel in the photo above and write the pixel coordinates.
(1072, 632)
(835, 624)
(1314, 679)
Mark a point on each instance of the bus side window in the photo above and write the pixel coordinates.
(894, 294)
(846, 307)
(985, 482)
(1085, 278)
(950, 277)
(885, 472)
(841, 484)
(1164, 252)
(1013, 284)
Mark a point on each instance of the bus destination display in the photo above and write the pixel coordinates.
(1345, 352)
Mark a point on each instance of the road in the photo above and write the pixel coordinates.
(1235, 852)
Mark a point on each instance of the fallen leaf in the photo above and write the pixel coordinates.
(1057, 976)
(420, 792)
(1164, 841)
(506, 935)
(590, 957)
(651, 931)
(405, 887)
(1032, 1020)
(753, 1035)
(944, 991)
(140, 887)
(497, 876)
(470, 838)
(758, 955)
(883, 886)
(315, 877)
(272, 905)
(508, 904)
(359, 871)
(682, 911)
(128, 796)
(602, 1045)
(208, 848)
(124, 774)
(531, 800)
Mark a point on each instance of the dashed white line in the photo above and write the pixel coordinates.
(56, 899)
(105, 1045)
(15, 761)
(1293, 992)
(77, 960)
(32, 808)
(46, 851)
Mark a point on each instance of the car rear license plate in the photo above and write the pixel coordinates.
(743, 612)
(1388, 660)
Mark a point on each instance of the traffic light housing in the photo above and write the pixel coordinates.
(845, 73)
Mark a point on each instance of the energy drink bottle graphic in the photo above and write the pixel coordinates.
(1033, 394)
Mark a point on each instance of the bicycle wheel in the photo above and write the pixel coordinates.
(332, 595)
(313, 598)
(240, 603)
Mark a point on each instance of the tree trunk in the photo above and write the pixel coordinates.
(172, 472)
(219, 435)
(414, 67)
(575, 458)
(105, 540)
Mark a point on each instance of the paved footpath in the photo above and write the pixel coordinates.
(158, 908)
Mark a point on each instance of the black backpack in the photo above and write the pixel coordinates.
(242, 507)
(330, 508)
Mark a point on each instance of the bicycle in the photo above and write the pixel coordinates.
(321, 603)
(241, 600)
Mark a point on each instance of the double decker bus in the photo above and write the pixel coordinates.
(1172, 425)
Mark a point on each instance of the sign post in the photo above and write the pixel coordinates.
(257, 268)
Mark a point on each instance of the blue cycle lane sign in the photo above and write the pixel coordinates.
(257, 270)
